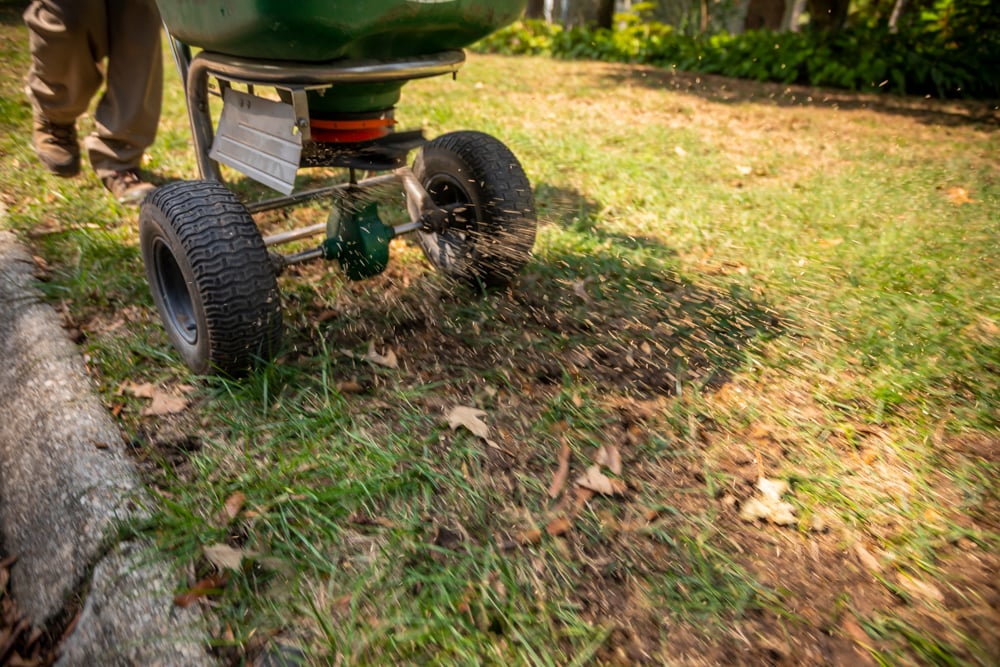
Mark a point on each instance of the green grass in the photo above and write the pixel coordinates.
(730, 280)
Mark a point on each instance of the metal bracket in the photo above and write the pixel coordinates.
(259, 138)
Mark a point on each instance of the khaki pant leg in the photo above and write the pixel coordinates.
(67, 43)
(129, 111)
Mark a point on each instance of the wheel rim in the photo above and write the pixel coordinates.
(449, 192)
(174, 293)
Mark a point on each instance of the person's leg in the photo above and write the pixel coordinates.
(129, 111)
(66, 40)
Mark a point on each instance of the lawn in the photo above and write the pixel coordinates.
(742, 402)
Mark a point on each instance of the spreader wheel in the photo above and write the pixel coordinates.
(210, 276)
(481, 183)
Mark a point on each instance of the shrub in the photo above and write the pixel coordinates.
(954, 55)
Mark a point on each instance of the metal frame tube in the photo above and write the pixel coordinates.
(318, 193)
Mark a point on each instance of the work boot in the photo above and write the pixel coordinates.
(56, 146)
(127, 186)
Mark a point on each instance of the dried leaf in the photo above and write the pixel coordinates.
(388, 359)
(680, 151)
(958, 195)
(350, 387)
(144, 390)
(224, 556)
(609, 457)
(581, 497)
(558, 526)
(234, 504)
(209, 585)
(559, 479)
(165, 403)
(866, 558)
(769, 505)
(526, 537)
(468, 418)
(597, 481)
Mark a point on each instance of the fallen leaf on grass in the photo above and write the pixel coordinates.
(164, 402)
(233, 505)
(526, 537)
(609, 457)
(388, 359)
(144, 390)
(559, 479)
(224, 556)
(958, 195)
(597, 481)
(581, 497)
(468, 418)
(350, 387)
(866, 558)
(522, 539)
(769, 505)
(208, 586)
(558, 526)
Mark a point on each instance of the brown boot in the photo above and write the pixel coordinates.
(56, 146)
(127, 186)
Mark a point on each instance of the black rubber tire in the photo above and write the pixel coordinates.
(473, 168)
(210, 276)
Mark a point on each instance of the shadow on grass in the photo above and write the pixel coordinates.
(599, 307)
(725, 90)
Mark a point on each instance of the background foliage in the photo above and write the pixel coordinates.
(948, 49)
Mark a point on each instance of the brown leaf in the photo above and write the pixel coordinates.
(144, 390)
(224, 556)
(558, 526)
(233, 505)
(768, 504)
(866, 558)
(597, 481)
(210, 585)
(581, 497)
(559, 479)
(350, 387)
(165, 403)
(958, 195)
(468, 418)
(388, 359)
(609, 457)
(532, 536)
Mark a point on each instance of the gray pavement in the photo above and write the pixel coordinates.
(66, 484)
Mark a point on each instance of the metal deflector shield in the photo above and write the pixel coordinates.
(258, 138)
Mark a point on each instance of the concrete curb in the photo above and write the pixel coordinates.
(66, 483)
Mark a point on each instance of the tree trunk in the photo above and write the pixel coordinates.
(765, 14)
(793, 12)
(535, 10)
(828, 15)
(605, 14)
(897, 11)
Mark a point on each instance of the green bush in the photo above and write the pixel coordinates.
(952, 55)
